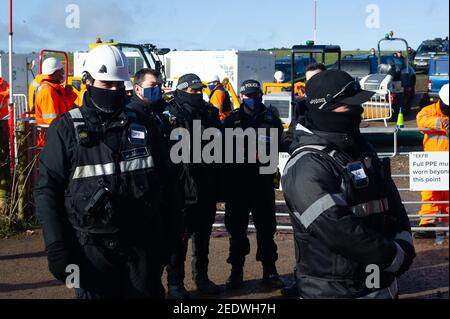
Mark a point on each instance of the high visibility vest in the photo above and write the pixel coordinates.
(431, 117)
(4, 98)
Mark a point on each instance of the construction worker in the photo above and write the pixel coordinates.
(253, 193)
(103, 175)
(52, 99)
(347, 214)
(4, 98)
(219, 96)
(185, 111)
(434, 116)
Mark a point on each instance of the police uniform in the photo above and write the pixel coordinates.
(98, 196)
(352, 234)
(251, 192)
(200, 183)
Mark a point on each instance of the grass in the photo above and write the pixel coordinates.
(8, 229)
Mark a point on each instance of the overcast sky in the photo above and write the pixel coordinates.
(228, 24)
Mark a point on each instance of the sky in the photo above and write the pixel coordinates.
(217, 25)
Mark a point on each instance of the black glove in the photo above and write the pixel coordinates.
(58, 259)
(410, 254)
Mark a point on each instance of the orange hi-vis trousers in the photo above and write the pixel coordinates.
(433, 209)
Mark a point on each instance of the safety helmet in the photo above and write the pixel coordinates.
(128, 86)
(443, 94)
(51, 65)
(107, 63)
(212, 78)
(279, 76)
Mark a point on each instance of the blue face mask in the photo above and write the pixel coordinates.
(252, 103)
(153, 94)
(211, 87)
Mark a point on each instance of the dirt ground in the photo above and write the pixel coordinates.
(24, 274)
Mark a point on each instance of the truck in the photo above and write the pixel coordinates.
(428, 49)
(437, 76)
(236, 66)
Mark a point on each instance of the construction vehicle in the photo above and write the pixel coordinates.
(394, 84)
(281, 96)
(139, 55)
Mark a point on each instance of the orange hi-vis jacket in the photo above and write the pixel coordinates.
(51, 101)
(431, 117)
(4, 98)
(434, 141)
(220, 99)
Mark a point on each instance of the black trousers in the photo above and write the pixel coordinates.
(198, 221)
(258, 198)
(118, 272)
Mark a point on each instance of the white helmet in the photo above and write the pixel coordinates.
(279, 76)
(107, 63)
(51, 65)
(128, 86)
(212, 78)
(443, 94)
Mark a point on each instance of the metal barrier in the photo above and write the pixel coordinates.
(378, 108)
(20, 104)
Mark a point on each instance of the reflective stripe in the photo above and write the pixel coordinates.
(137, 164)
(49, 116)
(321, 205)
(398, 260)
(76, 113)
(406, 236)
(298, 154)
(94, 170)
(40, 87)
(373, 207)
(437, 136)
(77, 118)
(438, 124)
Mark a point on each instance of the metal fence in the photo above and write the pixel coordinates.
(395, 132)
(378, 108)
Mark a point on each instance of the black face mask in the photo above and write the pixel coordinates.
(107, 101)
(327, 121)
(444, 108)
(194, 100)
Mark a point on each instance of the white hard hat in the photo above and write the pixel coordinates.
(443, 94)
(212, 78)
(279, 76)
(128, 86)
(51, 65)
(107, 63)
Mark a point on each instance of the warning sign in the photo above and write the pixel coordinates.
(428, 171)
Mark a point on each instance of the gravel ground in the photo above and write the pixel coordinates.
(24, 274)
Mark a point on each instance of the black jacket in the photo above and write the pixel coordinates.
(240, 176)
(182, 114)
(339, 228)
(64, 189)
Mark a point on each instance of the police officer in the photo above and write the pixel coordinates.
(347, 214)
(148, 99)
(200, 181)
(101, 181)
(252, 192)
